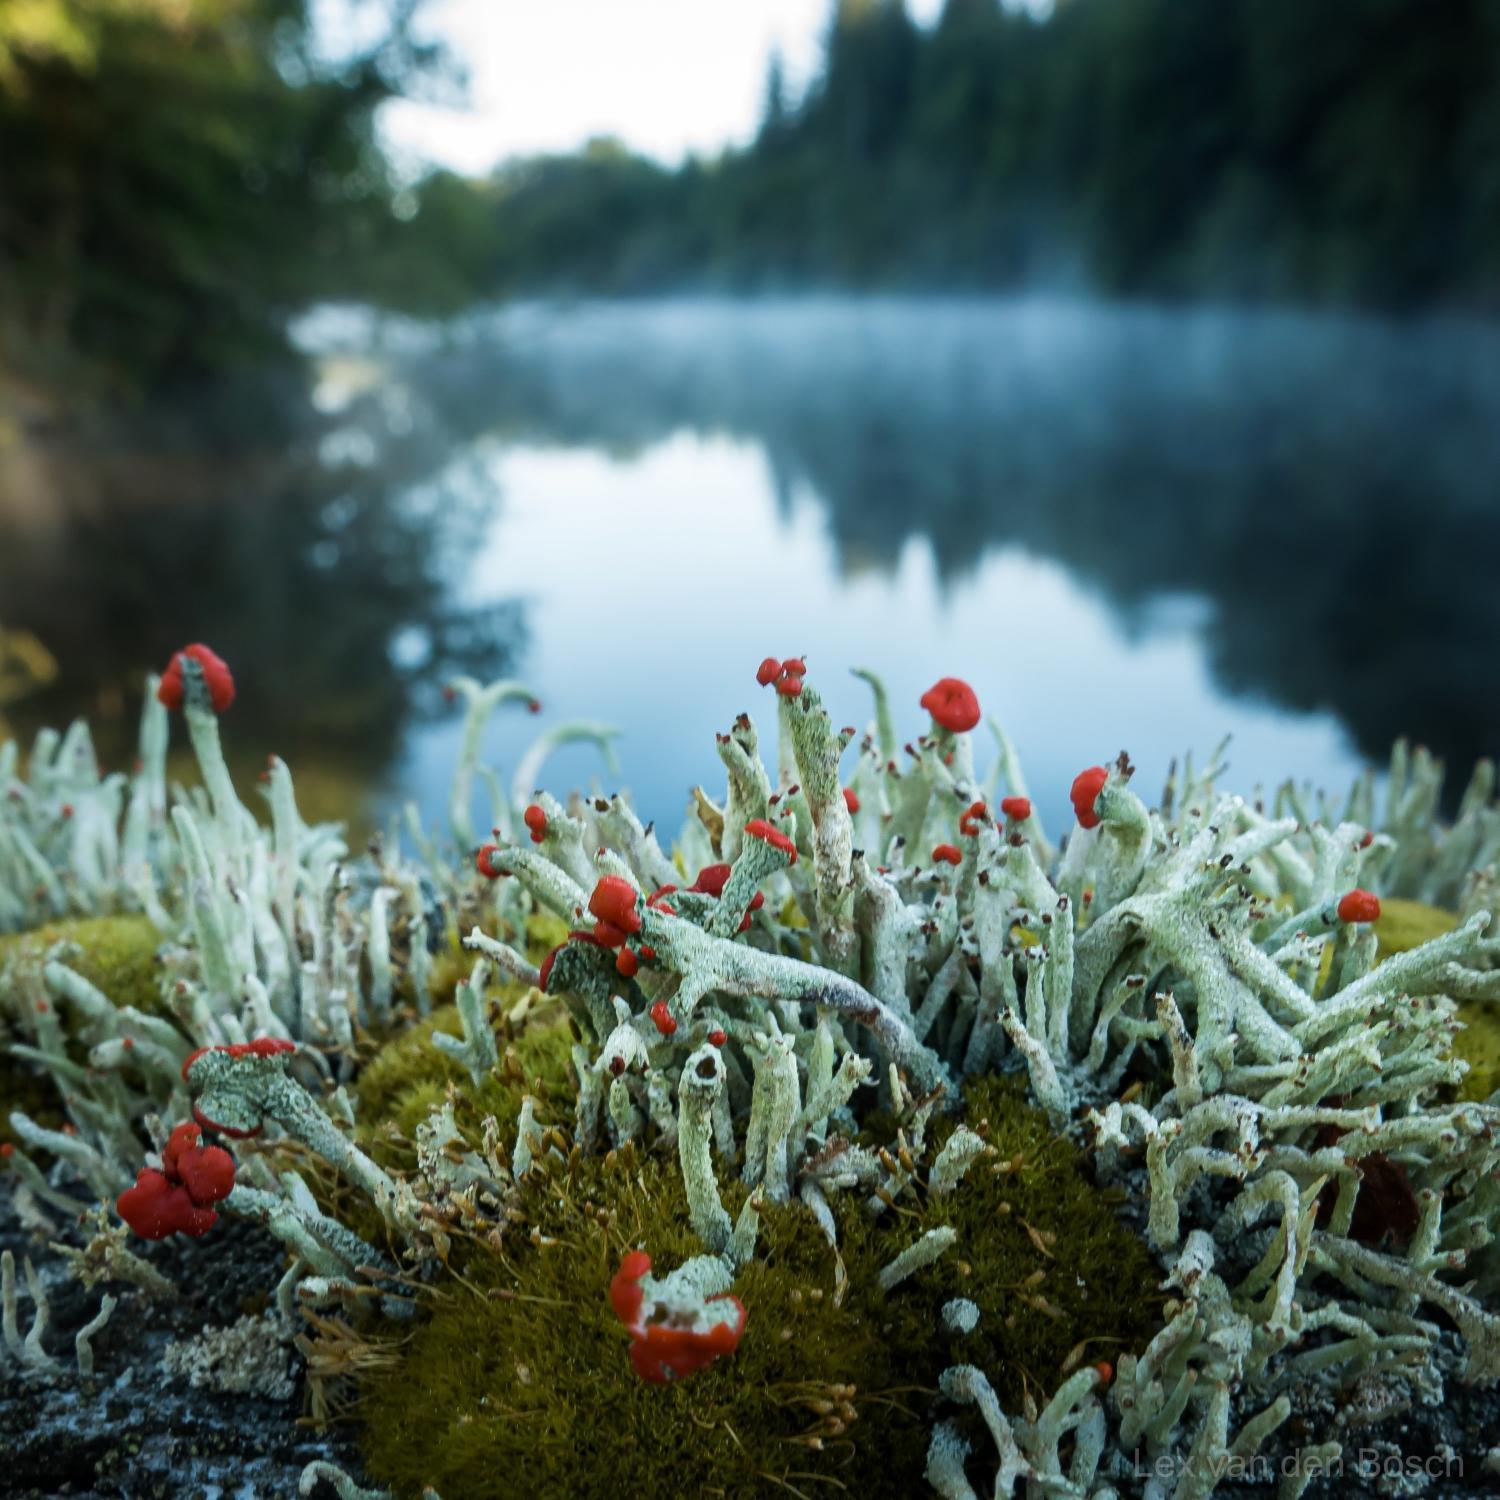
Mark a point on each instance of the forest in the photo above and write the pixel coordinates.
(178, 177)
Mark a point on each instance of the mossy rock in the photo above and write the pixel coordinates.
(115, 954)
(521, 1369)
(1408, 924)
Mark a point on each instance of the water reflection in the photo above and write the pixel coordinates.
(306, 546)
(1129, 527)
(1310, 501)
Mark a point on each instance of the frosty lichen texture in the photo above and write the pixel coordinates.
(784, 1009)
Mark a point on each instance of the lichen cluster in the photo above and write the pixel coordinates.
(895, 1143)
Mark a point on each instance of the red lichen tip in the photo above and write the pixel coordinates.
(624, 1287)
(665, 1350)
(156, 1207)
(482, 861)
(1359, 906)
(660, 1354)
(789, 687)
(1367, 840)
(710, 880)
(663, 1019)
(768, 671)
(207, 1172)
(1085, 792)
(758, 828)
(216, 676)
(717, 1037)
(627, 963)
(613, 901)
(952, 704)
(851, 800)
(1106, 1371)
(795, 666)
(947, 854)
(1017, 809)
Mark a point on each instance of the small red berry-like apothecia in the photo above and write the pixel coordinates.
(785, 675)
(851, 799)
(627, 963)
(717, 1037)
(1359, 906)
(947, 854)
(710, 880)
(1085, 792)
(758, 828)
(968, 822)
(216, 676)
(177, 1199)
(536, 820)
(663, 1019)
(666, 1350)
(613, 903)
(1106, 1371)
(952, 704)
(1017, 809)
(483, 858)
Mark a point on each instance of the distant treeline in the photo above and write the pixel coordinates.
(1311, 150)
(178, 177)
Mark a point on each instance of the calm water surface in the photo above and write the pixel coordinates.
(1127, 528)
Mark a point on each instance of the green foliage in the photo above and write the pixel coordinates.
(521, 1368)
(178, 180)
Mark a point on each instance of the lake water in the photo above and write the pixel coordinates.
(1128, 528)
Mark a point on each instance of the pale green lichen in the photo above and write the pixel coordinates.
(766, 1096)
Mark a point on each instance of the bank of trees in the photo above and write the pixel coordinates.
(1345, 151)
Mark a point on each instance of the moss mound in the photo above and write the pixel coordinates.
(116, 954)
(409, 1077)
(521, 1369)
(1407, 924)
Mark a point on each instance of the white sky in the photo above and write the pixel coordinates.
(668, 77)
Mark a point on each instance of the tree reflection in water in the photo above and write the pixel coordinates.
(314, 549)
(1327, 484)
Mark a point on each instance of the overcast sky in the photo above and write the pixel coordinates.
(666, 76)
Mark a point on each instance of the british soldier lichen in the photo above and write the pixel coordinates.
(792, 1081)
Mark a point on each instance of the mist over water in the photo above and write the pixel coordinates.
(1129, 527)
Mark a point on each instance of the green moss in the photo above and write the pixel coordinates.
(1407, 924)
(117, 954)
(521, 1369)
(408, 1076)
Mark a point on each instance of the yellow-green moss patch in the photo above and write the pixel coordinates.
(520, 1374)
(116, 954)
(1404, 925)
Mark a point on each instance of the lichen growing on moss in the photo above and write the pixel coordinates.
(116, 954)
(1405, 925)
(522, 1369)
